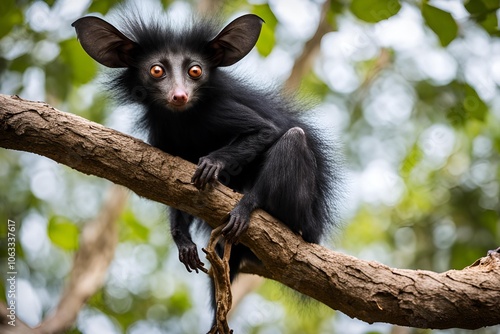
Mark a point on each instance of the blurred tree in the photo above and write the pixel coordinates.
(411, 88)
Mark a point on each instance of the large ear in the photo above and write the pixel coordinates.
(236, 40)
(103, 42)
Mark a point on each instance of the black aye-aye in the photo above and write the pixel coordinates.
(251, 139)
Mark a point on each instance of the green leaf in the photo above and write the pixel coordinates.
(58, 80)
(484, 13)
(473, 105)
(374, 10)
(179, 303)
(83, 68)
(266, 42)
(456, 115)
(63, 233)
(491, 4)
(10, 15)
(312, 85)
(441, 22)
(411, 160)
(336, 8)
(50, 2)
(267, 39)
(475, 6)
(469, 106)
(20, 64)
(265, 12)
(102, 6)
(132, 229)
(166, 3)
(490, 23)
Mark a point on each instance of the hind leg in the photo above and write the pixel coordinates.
(285, 187)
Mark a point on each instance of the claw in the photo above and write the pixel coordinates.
(189, 257)
(207, 171)
(234, 228)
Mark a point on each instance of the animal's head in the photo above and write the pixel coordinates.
(168, 65)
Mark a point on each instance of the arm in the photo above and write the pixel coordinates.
(253, 136)
(180, 222)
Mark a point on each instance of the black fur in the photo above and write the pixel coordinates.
(253, 139)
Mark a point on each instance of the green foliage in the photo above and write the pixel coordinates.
(21, 64)
(441, 22)
(80, 66)
(446, 215)
(56, 82)
(468, 105)
(179, 302)
(50, 2)
(484, 13)
(10, 16)
(267, 40)
(374, 10)
(336, 8)
(306, 315)
(473, 104)
(312, 85)
(132, 229)
(166, 3)
(63, 233)
(103, 6)
(413, 158)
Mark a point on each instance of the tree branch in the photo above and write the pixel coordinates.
(366, 290)
(310, 51)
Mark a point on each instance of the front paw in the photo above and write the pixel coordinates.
(188, 255)
(207, 172)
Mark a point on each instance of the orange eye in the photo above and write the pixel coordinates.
(195, 72)
(156, 71)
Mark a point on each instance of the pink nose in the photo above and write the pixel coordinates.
(179, 98)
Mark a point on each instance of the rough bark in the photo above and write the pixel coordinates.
(369, 291)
